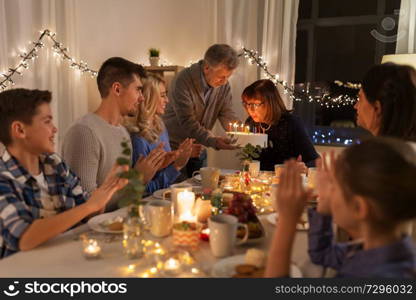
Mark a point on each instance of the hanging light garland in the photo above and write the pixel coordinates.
(252, 56)
(349, 85)
(326, 100)
(26, 57)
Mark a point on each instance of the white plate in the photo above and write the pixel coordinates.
(273, 217)
(197, 178)
(159, 193)
(226, 267)
(223, 172)
(98, 223)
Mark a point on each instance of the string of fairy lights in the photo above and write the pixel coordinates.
(326, 100)
(58, 49)
(253, 57)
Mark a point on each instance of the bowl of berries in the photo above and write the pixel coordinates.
(242, 207)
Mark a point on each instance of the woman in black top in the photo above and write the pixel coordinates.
(287, 137)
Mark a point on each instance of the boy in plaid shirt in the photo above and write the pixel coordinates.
(39, 195)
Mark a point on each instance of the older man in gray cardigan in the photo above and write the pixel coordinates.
(200, 95)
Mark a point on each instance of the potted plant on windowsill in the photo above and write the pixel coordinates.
(154, 57)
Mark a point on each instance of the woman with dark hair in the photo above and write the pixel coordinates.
(387, 101)
(387, 105)
(287, 137)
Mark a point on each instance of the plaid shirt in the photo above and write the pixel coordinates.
(20, 202)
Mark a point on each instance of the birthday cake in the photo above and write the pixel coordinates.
(244, 138)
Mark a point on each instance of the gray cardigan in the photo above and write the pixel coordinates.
(186, 113)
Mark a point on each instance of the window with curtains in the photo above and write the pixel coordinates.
(339, 40)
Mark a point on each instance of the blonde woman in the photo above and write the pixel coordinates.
(148, 132)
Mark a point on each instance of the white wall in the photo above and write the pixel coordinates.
(181, 29)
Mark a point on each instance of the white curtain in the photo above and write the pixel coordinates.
(406, 43)
(279, 40)
(20, 23)
(268, 26)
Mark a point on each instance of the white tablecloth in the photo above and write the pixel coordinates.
(62, 257)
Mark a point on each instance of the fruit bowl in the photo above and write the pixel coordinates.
(241, 206)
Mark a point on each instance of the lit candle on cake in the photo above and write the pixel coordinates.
(235, 127)
(230, 127)
(244, 138)
(247, 129)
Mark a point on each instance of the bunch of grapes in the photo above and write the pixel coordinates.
(242, 207)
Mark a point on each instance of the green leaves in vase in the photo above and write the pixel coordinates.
(249, 152)
(132, 193)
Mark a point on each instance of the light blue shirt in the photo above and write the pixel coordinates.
(397, 260)
(163, 178)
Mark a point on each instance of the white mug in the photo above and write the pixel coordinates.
(159, 216)
(254, 168)
(209, 177)
(223, 234)
(273, 194)
(278, 170)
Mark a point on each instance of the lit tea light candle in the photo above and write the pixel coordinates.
(202, 210)
(186, 201)
(145, 275)
(91, 249)
(205, 234)
(172, 264)
(131, 268)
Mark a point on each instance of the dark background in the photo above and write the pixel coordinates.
(334, 42)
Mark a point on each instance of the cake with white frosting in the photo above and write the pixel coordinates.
(244, 138)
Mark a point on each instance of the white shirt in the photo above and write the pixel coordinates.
(48, 207)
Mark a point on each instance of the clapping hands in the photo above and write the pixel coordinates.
(112, 183)
(185, 151)
(301, 165)
(291, 196)
(324, 182)
(150, 164)
(196, 150)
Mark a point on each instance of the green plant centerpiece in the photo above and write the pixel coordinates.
(248, 153)
(131, 194)
(153, 52)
